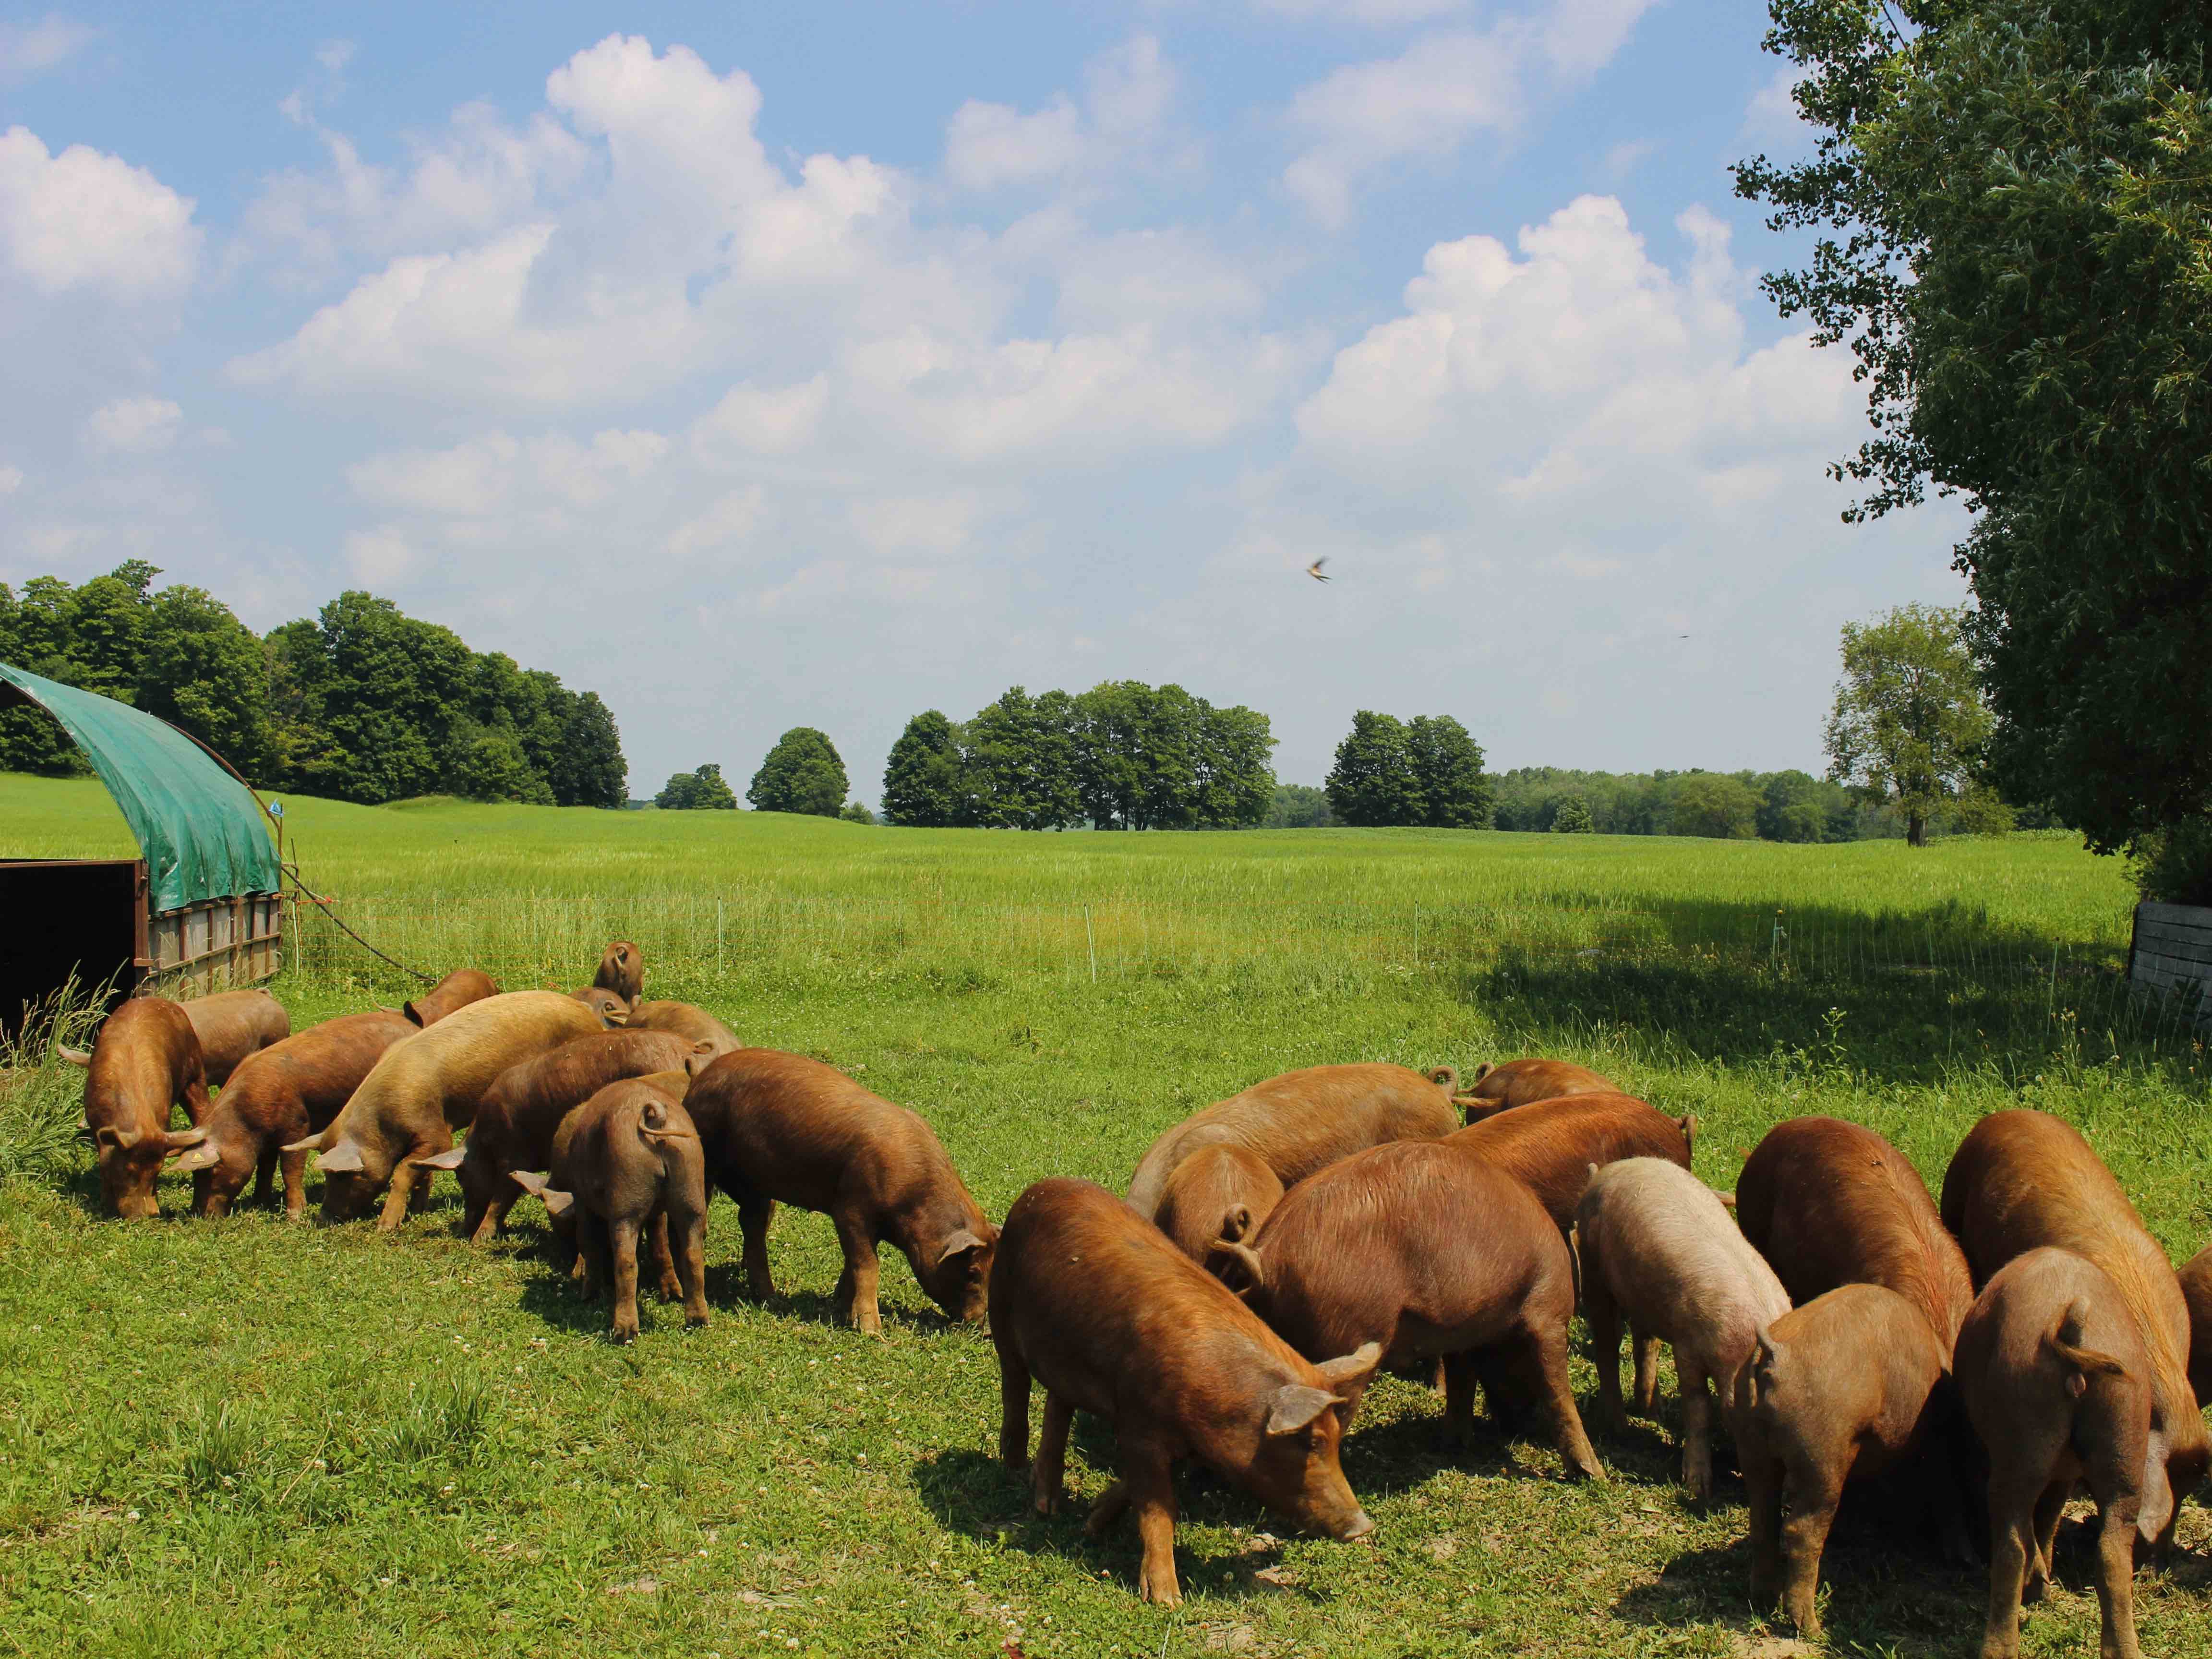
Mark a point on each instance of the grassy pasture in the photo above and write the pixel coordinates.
(309, 1441)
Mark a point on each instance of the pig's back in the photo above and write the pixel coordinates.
(1666, 1245)
(1302, 1121)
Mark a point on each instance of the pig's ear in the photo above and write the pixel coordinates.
(344, 1158)
(959, 1244)
(2157, 1493)
(1483, 1070)
(556, 1201)
(448, 1159)
(529, 1179)
(1353, 1368)
(311, 1144)
(120, 1141)
(1294, 1407)
(412, 1012)
(197, 1152)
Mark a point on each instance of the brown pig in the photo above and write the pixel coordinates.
(457, 990)
(515, 1118)
(1843, 1387)
(1521, 1082)
(604, 1003)
(285, 1093)
(1301, 1120)
(1551, 1144)
(423, 1090)
(1219, 1192)
(1658, 1246)
(622, 971)
(147, 1060)
(1090, 1300)
(230, 1025)
(1424, 1247)
(625, 1162)
(2057, 1385)
(1833, 1203)
(782, 1127)
(2197, 1290)
(233, 1025)
(694, 1025)
(2022, 1179)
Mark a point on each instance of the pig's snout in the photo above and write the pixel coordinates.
(1358, 1527)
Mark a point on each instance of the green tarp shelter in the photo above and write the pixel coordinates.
(201, 832)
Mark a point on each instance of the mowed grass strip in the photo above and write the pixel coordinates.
(316, 1441)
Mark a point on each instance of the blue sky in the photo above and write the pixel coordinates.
(769, 365)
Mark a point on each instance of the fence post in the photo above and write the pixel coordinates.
(1417, 936)
(718, 932)
(1090, 942)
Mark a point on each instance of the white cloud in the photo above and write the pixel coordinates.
(497, 473)
(134, 426)
(31, 49)
(84, 220)
(380, 557)
(1771, 121)
(1364, 11)
(753, 420)
(729, 519)
(935, 524)
(1127, 92)
(1440, 91)
(11, 480)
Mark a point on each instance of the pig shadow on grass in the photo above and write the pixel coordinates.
(972, 1493)
(1877, 1594)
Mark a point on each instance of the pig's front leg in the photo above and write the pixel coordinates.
(1696, 1428)
(295, 1165)
(403, 1189)
(1647, 1368)
(856, 1285)
(1812, 1496)
(1459, 1396)
(264, 1177)
(1045, 1478)
(1605, 1352)
(1151, 1481)
(1762, 1486)
(623, 1236)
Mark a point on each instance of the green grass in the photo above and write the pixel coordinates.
(316, 1441)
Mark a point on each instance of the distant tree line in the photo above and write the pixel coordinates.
(1121, 755)
(1785, 806)
(364, 703)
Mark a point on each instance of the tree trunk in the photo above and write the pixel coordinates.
(1915, 830)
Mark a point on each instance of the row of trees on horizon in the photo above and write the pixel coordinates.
(361, 703)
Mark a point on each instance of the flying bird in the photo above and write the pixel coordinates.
(1314, 569)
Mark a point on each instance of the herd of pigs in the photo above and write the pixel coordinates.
(1277, 1249)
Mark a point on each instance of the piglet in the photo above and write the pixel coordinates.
(146, 1062)
(1523, 1082)
(1422, 1247)
(2057, 1385)
(624, 1161)
(687, 1020)
(515, 1118)
(1659, 1248)
(2196, 1278)
(457, 990)
(288, 1090)
(1842, 1388)
(1090, 1300)
(621, 971)
(1220, 1192)
(783, 1128)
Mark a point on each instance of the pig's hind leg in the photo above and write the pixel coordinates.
(2013, 1555)
(1046, 1478)
(623, 1236)
(1604, 1316)
(754, 1213)
(671, 1286)
(1013, 1406)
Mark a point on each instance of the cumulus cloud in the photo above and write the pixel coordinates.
(1771, 121)
(1441, 90)
(11, 480)
(31, 49)
(87, 221)
(134, 426)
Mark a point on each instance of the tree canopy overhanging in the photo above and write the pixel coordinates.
(2012, 204)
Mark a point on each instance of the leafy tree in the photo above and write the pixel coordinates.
(1373, 780)
(1298, 806)
(376, 691)
(1791, 809)
(1110, 737)
(703, 790)
(856, 812)
(1909, 722)
(1716, 805)
(1572, 816)
(2014, 203)
(802, 773)
(1019, 763)
(1447, 769)
(588, 769)
(1236, 778)
(483, 761)
(923, 787)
